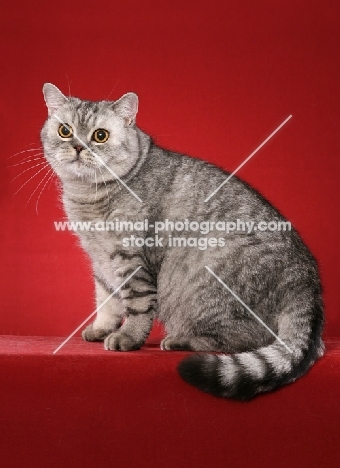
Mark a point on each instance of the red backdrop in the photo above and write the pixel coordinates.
(214, 78)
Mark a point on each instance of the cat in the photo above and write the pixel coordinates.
(250, 303)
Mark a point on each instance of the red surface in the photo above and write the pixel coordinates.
(86, 408)
(214, 78)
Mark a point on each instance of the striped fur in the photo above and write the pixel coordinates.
(272, 272)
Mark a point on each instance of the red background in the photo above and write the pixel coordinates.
(214, 78)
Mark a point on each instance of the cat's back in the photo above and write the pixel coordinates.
(182, 185)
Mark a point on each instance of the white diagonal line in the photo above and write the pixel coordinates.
(98, 308)
(100, 160)
(248, 309)
(246, 160)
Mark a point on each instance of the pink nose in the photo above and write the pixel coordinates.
(78, 148)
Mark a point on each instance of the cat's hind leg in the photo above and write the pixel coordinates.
(195, 343)
(109, 316)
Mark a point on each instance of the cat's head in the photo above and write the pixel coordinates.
(90, 140)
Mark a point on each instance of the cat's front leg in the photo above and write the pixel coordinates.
(109, 316)
(139, 299)
(131, 335)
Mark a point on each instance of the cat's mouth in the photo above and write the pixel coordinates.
(77, 156)
(76, 159)
(77, 163)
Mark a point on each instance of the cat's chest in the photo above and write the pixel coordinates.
(103, 233)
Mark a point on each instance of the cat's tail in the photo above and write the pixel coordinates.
(243, 375)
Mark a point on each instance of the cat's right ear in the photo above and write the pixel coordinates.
(54, 98)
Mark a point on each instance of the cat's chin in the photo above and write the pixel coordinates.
(75, 172)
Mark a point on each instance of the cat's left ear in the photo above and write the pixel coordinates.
(54, 98)
(127, 107)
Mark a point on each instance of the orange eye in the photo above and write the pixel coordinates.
(100, 135)
(65, 130)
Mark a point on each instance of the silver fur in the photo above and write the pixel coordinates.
(273, 273)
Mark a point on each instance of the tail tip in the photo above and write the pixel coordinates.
(201, 370)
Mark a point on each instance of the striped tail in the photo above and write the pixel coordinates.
(242, 376)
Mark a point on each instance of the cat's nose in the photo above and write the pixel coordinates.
(78, 148)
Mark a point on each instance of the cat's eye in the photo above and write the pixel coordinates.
(100, 135)
(65, 130)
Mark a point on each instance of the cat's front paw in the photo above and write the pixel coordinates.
(94, 334)
(120, 341)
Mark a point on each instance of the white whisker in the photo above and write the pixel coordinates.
(108, 198)
(27, 160)
(42, 180)
(23, 185)
(55, 175)
(25, 151)
(95, 178)
(45, 163)
(52, 174)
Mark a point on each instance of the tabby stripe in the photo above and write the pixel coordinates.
(253, 365)
(124, 255)
(132, 311)
(89, 202)
(270, 370)
(103, 185)
(229, 371)
(145, 293)
(149, 282)
(137, 277)
(103, 284)
(77, 108)
(278, 360)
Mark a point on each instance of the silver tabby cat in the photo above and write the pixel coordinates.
(109, 169)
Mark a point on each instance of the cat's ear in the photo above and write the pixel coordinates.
(127, 107)
(53, 97)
